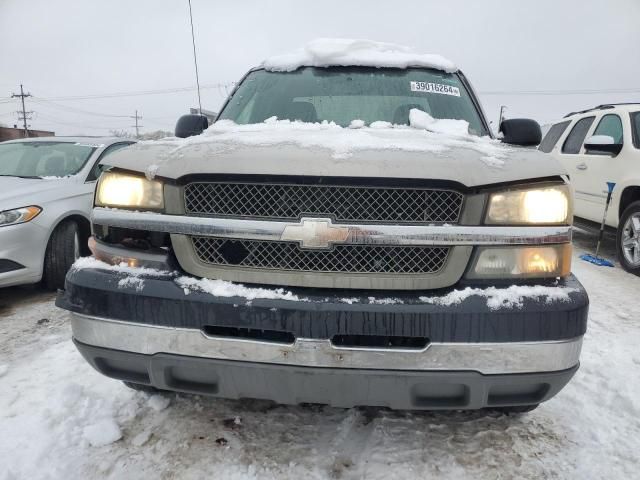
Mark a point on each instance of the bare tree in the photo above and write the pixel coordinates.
(155, 135)
(120, 134)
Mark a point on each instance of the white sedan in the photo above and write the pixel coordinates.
(46, 193)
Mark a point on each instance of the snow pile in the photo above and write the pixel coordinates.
(422, 120)
(158, 402)
(102, 433)
(151, 171)
(385, 301)
(222, 288)
(373, 301)
(327, 52)
(510, 297)
(54, 177)
(350, 301)
(134, 272)
(131, 282)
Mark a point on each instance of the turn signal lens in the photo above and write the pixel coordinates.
(123, 190)
(523, 262)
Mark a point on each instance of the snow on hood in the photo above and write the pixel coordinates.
(425, 134)
(428, 148)
(327, 52)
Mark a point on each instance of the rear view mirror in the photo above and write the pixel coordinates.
(521, 131)
(190, 125)
(602, 144)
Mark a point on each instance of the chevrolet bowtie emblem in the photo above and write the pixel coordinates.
(315, 233)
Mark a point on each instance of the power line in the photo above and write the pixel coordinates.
(24, 116)
(67, 108)
(57, 121)
(138, 93)
(561, 92)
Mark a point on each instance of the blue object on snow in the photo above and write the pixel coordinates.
(601, 262)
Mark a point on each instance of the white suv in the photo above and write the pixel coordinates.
(598, 146)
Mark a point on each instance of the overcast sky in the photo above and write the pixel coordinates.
(62, 48)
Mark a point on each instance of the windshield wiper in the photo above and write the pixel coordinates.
(19, 176)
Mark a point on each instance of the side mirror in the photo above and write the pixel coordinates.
(602, 144)
(521, 131)
(190, 125)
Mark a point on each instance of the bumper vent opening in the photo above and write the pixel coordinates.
(517, 394)
(380, 341)
(261, 335)
(9, 266)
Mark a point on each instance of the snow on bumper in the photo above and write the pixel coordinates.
(157, 331)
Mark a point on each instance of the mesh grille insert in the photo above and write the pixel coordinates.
(342, 258)
(343, 203)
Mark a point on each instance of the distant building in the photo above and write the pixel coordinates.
(7, 133)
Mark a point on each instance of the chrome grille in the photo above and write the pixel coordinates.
(342, 203)
(341, 258)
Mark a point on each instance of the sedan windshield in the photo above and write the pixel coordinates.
(43, 159)
(343, 94)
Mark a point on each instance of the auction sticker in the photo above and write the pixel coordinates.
(429, 87)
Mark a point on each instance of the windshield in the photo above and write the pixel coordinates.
(343, 94)
(43, 159)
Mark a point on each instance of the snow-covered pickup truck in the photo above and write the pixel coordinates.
(348, 233)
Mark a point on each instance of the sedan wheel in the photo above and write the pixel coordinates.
(63, 249)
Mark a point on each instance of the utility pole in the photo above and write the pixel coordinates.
(24, 117)
(137, 126)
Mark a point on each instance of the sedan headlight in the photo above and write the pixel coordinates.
(130, 191)
(18, 215)
(536, 206)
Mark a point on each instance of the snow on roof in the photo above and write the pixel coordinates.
(326, 52)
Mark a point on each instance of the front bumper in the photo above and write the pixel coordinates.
(22, 252)
(152, 331)
(338, 387)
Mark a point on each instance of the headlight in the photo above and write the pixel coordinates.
(123, 190)
(549, 261)
(544, 206)
(18, 215)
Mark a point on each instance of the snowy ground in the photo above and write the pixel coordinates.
(61, 419)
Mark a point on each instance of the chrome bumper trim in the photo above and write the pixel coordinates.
(486, 358)
(349, 233)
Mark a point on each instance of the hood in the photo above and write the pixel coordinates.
(290, 148)
(18, 192)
